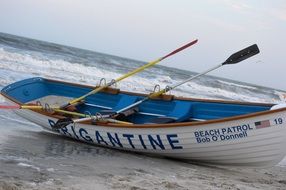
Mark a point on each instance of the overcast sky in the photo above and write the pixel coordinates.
(148, 29)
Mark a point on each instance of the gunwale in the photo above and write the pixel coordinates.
(179, 124)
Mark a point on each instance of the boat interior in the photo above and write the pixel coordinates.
(165, 109)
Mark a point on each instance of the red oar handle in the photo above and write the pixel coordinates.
(10, 107)
(180, 49)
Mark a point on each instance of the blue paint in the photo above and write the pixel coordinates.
(51, 122)
(129, 136)
(34, 88)
(142, 141)
(114, 140)
(65, 131)
(85, 136)
(74, 133)
(27, 90)
(207, 133)
(99, 138)
(155, 142)
(233, 136)
(174, 141)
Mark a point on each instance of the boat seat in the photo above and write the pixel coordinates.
(180, 112)
(124, 102)
(107, 105)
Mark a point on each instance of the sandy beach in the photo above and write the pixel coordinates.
(60, 163)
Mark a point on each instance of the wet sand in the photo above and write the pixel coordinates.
(35, 159)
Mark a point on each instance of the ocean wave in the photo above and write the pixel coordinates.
(29, 166)
(237, 85)
(18, 65)
(42, 66)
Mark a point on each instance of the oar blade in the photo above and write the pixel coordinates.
(242, 55)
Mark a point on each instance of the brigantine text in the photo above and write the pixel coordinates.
(123, 140)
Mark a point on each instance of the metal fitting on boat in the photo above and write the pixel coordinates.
(87, 114)
(48, 108)
(102, 80)
(157, 88)
(168, 89)
(98, 116)
(113, 83)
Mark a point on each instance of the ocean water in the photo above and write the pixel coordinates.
(31, 158)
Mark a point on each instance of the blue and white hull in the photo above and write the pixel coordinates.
(238, 134)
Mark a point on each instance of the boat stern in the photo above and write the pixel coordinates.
(26, 90)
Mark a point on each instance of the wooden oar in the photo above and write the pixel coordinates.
(74, 101)
(65, 112)
(35, 107)
(233, 59)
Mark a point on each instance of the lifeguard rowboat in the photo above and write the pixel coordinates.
(217, 132)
